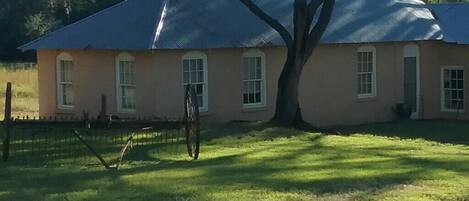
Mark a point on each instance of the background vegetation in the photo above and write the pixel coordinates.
(25, 91)
(24, 20)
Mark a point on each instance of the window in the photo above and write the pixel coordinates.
(65, 95)
(126, 88)
(366, 72)
(194, 66)
(254, 79)
(453, 97)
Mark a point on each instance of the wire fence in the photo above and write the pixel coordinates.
(48, 139)
(40, 143)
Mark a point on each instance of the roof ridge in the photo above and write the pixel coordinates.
(159, 25)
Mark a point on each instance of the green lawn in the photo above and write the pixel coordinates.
(250, 161)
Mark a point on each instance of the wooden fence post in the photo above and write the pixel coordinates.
(7, 123)
(105, 119)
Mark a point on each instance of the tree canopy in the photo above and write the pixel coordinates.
(24, 20)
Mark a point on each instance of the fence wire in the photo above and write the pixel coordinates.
(46, 143)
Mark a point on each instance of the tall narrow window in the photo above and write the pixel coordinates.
(366, 72)
(254, 79)
(65, 94)
(453, 97)
(194, 66)
(126, 88)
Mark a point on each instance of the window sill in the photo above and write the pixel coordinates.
(61, 110)
(367, 99)
(65, 113)
(64, 107)
(254, 109)
(205, 114)
(128, 112)
(453, 111)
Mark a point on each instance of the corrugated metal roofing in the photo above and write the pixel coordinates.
(198, 24)
(454, 20)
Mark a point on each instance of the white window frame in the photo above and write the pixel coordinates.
(364, 49)
(198, 55)
(254, 54)
(128, 58)
(63, 57)
(442, 90)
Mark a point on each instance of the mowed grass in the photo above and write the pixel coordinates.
(252, 161)
(24, 92)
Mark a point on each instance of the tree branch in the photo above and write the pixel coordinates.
(313, 6)
(301, 27)
(284, 33)
(320, 27)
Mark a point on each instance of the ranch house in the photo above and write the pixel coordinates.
(373, 56)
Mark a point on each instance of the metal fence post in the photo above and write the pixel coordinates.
(7, 123)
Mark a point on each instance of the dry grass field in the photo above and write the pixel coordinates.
(25, 92)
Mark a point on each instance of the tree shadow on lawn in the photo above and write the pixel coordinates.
(442, 131)
(313, 167)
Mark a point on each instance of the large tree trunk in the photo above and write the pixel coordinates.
(288, 112)
(300, 48)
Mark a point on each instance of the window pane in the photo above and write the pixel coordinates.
(127, 74)
(193, 65)
(66, 71)
(246, 87)
(185, 65)
(128, 97)
(245, 68)
(200, 64)
(258, 68)
(127, 85)
(201, 76)
(460, 74)
(194, 73)
(200, 101)
(257, 98)
(199, 89)
(460, 84)
(453, 83)
(186, 78)
(365, 73)
(253, 79)
(193, 77)
(446, 84)
(67, 94)
(246, 98)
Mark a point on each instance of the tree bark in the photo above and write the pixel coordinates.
(288, 112)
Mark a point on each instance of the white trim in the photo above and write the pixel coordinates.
(122, 57)
(372, 49)
(62, 57)
(442, 88)
(413, 50)
(250, 54)
(198, 55)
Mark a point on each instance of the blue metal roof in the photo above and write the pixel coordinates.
(454, 20)
(198, 24)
